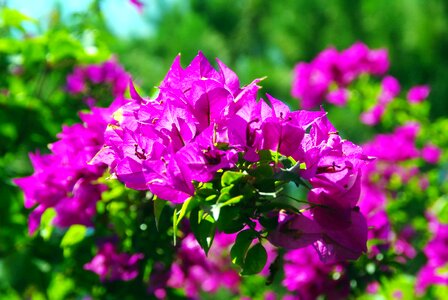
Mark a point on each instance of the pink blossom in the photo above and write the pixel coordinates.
(431, 154)
(437, 257)
(338, 97)
(312, 81)
(390, 88)
(418, 93)
(306, 277)
(111, 265)
(195, 272)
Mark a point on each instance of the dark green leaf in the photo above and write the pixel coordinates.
(187, 206)
(263, 171)
(265, 155)
(230, 219)
(203, 226)
(255, 260)
(159, 205)
(242, 243)
(266, 185)
(268, 223)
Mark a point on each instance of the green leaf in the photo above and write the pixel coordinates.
(159, 205)
(226, 193)
(187, 207)
(231, 177)
(242, 243)
(204, 227)
(265, 155)
(230, 219)
(233, 201)
(266, 185)
(205, 192)
(255, 260)
(46, 228)
(13, 18)
(63, 45)
(263, 171)
(287, 161)
(289, 176)
(74, 235)
(175, 226)
(268, 223)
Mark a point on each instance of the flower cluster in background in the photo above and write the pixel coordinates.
(63, 179)
(89, 79)
(313, 82)
(111, 265)
(307, 277)
(403, 159)
(434, 271)
(329, 76)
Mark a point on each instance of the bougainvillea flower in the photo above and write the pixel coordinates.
(338, 97)
(313, 82)
(184, 133)
(418, 93)
(109, 72)
(111, 265)
(63, 179)
(390, 88)
(373, 116)
(437, 258)
(310, 85)
(332, 244)
(75, 82)
(295, 231)
(431, 153)
(308, 278)
(195, 272)
(397, 146)
(346, 244)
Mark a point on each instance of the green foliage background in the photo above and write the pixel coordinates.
(255, 38)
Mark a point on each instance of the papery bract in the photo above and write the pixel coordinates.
(307, 277)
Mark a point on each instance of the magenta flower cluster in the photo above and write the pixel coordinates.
(84, 79)
(199, 122)
(393, 151)
(327, 78)
(307, 278)
(332, 223)
(195, 272)
(313, 81)
(434, 271)
(62, 179)
(112, 266)
(329, 75)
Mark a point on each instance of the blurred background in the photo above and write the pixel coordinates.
(41, 41)
(260, 38)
